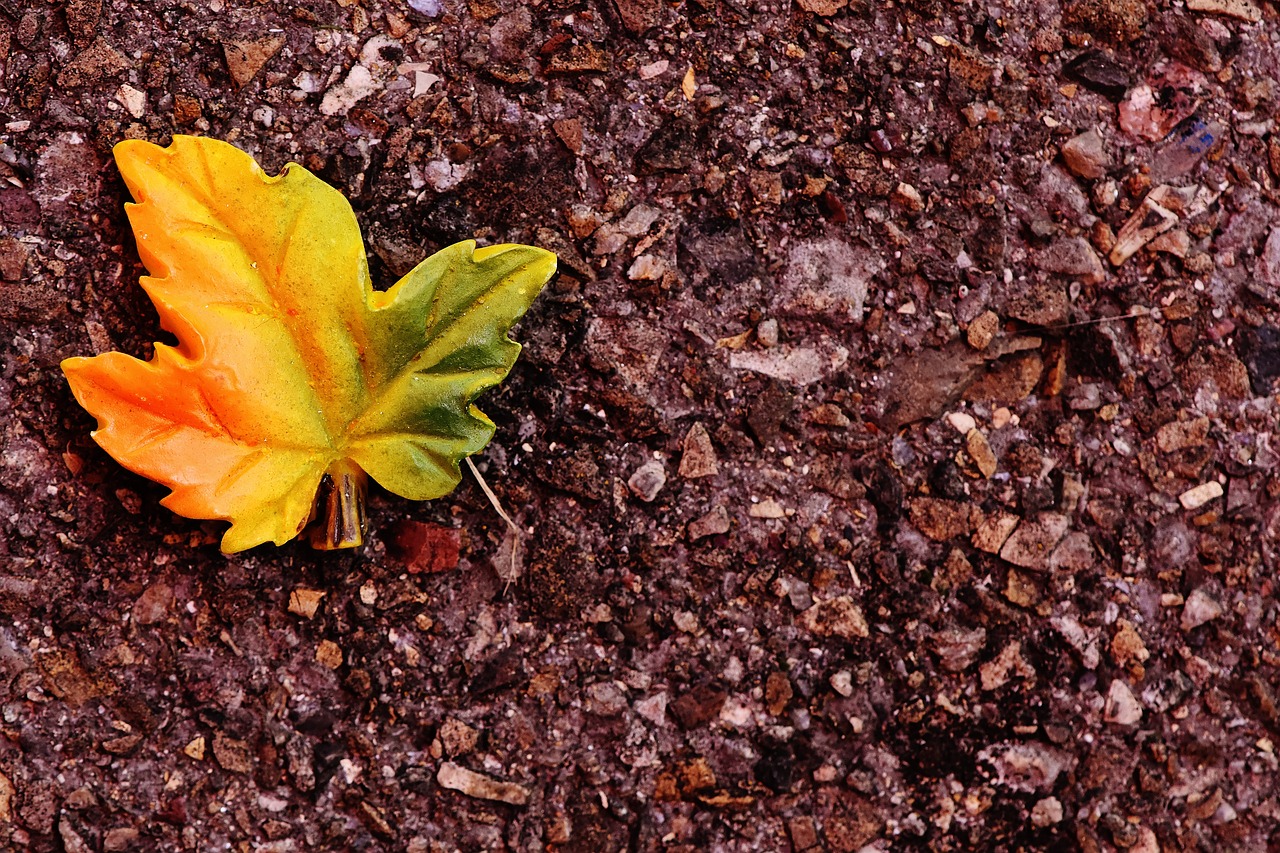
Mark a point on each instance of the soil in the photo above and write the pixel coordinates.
(893, 448)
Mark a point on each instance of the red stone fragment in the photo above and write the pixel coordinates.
(426, 548)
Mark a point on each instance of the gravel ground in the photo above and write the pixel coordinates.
(893, 447)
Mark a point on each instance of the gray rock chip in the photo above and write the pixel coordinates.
(827, 277)
(648, 480)
(1199, 609)
(1033, 542)
(1027, 767)
(837, 617)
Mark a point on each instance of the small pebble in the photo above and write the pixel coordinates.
(713, 523)
(767, 333)
(1047, 812)
(1199, 609)
(648, 480)
(329, 654)
(305, 602)
(767, 508)
(963, 422)
(842, 683)
(473, 784)
(698, 456)
(981, 454)
(1086, 155)
(983, 330)
(1122, 706)
(1200, 495)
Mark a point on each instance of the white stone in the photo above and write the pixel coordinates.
(1122, 706)
(133, 100)
(443, 175)
(1200, 495)
(1199, 609)
(654, 708)
(648, 480)
(647, 268)
(1047, 812)
(827, 277)
(962, 421)
(842, 683)
(767, 508)
(1242, 9)
(654, 69)
(422, 82)
(797, 365)
(341, 98)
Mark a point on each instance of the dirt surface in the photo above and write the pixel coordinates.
(894, 446)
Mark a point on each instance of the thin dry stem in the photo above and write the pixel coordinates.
(497, 506)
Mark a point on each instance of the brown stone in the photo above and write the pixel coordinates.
(990, 533)
(186, 109)
(639, 16)
(579, 59)
(1021, 589)
(305, 602)
(995, 673)
(981, 454)
(329, 654)
(376, 820)
(1075, 553)
(1217, 371)
(941, 520)
(1127, 646)
(1086, 155)
(570, 132)
(713, 523)
(1181, 435)
(777, 692)
(957, 648)
(7, 792)
(13, 259)
(154, 604)
(247, 57)
(1070, 256)
(1009, 381)
(1031, 545)
(426, 548)
(955, 572)
(695, 775)
(825, 8)
(120, 839)
(766, 186)
(95, 62)
(67, 679)
(698, 707)
(1116, 21)
(457, 737)
(836, 617)
(82, 20)
(122, 745)
(231, 754)
(698, 458)
(969, 67)
(983, 329)
(804, 833)
(856, 823)
(1045, 304)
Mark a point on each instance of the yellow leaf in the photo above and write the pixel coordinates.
(290, 369)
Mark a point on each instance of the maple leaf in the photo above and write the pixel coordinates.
(290, 371)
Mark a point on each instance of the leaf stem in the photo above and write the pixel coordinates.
(515, 528)
(338, 517)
